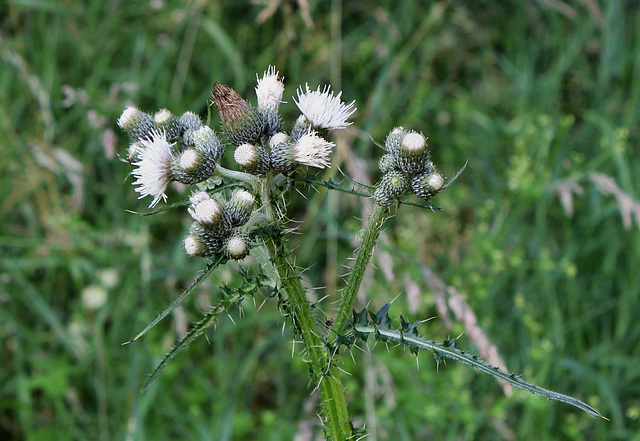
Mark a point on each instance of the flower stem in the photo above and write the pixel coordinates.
(332, 398)
(369, 239)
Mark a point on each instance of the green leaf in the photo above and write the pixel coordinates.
(207, 270)
(448, 350)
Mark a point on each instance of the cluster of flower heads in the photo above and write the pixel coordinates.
(167, 148)
(261, 146)
(406, 167)
(217, 227)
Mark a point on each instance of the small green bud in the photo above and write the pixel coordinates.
(136, 123)
(192, 167)
(427, 184)
(413, 154)
(166, 121)
(394, 139)
(236, 245)
(207, 143)
(282, 158)
(392, 186)
(189, 123)
(387, 163)
(238, 210)
(201, 242)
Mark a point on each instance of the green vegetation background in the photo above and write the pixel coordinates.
(540, 234)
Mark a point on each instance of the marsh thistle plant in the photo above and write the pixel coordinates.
(238, 210)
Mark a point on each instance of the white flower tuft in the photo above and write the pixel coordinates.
(192, 246)
(204, 209)
(154, 168)
(269, 89)
(323, 110)
(189, 160)
(246, 155)
(313, 150)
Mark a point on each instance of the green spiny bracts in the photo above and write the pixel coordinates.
(300, 128)
(136, 123)
(192, 166)
(207, 143)
(392, 186)
(166, 121)
(365, 323)
(253, 159)
(241, 123)
(282, 159)
(237, 210)
(413, 153)
(427, 184)
(202, 242)
(236, 245)
(272, 121)
(394, 139)
(189, 123)
(387, 163)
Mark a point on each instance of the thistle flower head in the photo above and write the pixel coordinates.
(312, 150)
(269, 89)
(136, 123)
(324, 110)
(236, 245)
(153, 171)
(204, 208)
(232, 108)
(413, 144)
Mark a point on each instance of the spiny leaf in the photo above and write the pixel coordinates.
(207, 270)
(448, 349)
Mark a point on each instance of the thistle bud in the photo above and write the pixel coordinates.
(201, 242)
(300, 127)
(387, 163)
(136, 123)
(413, 154)
(166, 121)
(236, 245)
(253, 159)
(394, 140)
(281, 153)
(392, 186)
(134, 153)
(207, 143)
(241, 123)
(312, 150)
(205, 209)
(238, 210)
(427, 184)
(193, 166)
(189, 123)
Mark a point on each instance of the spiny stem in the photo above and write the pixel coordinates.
(333, 401)
(369, 239)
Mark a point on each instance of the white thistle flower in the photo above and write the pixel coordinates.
(204, 208)
(312, 150)
(154, 168)
(323, 110)
(270, 89)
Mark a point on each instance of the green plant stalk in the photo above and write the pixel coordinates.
(369, 238)
(332, 398)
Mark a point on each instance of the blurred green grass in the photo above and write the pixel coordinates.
(538, 97)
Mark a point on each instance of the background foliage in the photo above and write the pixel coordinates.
(541, 232)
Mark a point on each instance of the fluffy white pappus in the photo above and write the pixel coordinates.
(153, 171)
(246, 155)
(313, 150)
(204, 209)
(192, 245)
(270, 89)
(323, 109)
